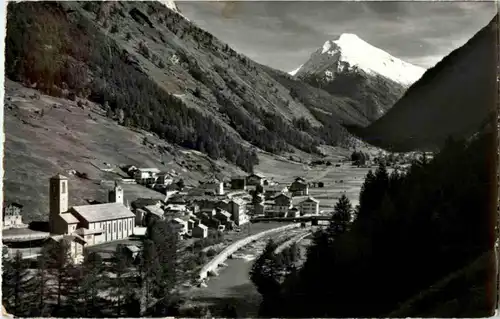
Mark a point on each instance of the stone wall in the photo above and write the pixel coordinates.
(228, 251)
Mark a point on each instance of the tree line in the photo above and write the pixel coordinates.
(77, 49)
(410, 231)
(122, 286)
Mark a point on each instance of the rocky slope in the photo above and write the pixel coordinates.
(455, 98)
(151, 68)
(352, 68)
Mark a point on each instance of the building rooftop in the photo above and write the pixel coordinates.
(201, 226)
(256, 175)
(102, 212)
(133, 248)
(22, 234)
(223, 212)
(85, 231)
(69, 218)
(310, 199)
(155, 210)
(142, 202)
(59, 177)
(151, 169)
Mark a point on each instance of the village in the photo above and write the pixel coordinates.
(213, 207)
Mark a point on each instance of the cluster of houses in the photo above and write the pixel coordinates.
(192, 211)
(273, 200)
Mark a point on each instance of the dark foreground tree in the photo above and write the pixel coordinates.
(425, 228)
(91, 282)
(17, 294)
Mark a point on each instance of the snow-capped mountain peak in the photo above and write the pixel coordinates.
(350, 51)
(172, 6)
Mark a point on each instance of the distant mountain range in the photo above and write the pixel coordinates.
(351, 67)
(457, 97)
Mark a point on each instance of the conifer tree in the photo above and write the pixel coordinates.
(119, 284)
(91, 282)
(59, 263)
(40, 286)
(264, 272)
(341, 217)
(149, 268)
(16, 294)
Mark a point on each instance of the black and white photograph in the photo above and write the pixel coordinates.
(250, 159)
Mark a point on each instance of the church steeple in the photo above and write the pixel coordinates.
(116, 194)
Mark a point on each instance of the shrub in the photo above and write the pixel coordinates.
(211, 252)
(114, 28)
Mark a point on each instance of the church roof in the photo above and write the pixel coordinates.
(69, 218)
(58, 176)
(102, 212)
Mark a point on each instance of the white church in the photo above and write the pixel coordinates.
(87, 225)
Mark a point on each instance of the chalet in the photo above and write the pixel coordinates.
(183, 230)
(238, 183)
(238, 211)
(215, 185)
(282, 203)
(100, 223)
(146, 176)
(255, 179)
(154, 212)
(299, 187)
(273, 191)
(310, 206)
(164, 179)
(175, 208)
(200, 231)
(143, 202)
(12, 216)
(223, 216)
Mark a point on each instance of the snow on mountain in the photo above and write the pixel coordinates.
(172, 6)
(349, 51)
(292, 73)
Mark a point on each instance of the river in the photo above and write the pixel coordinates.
(233, 285)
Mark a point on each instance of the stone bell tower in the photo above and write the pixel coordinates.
(58, 198)
(116, 194)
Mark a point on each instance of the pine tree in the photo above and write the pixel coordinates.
(149, 268)
(341, 217)
(120, 286)
(16, 294)
(165, 239)
(41, 289)
(264, 272)
(91, 282)
(59, 262)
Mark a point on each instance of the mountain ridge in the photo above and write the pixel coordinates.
(430, 112)
(152, 69)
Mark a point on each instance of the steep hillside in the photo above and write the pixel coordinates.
(337, 109)
(46, 135)
(350, 67)
(454, 98)
(151, 68)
